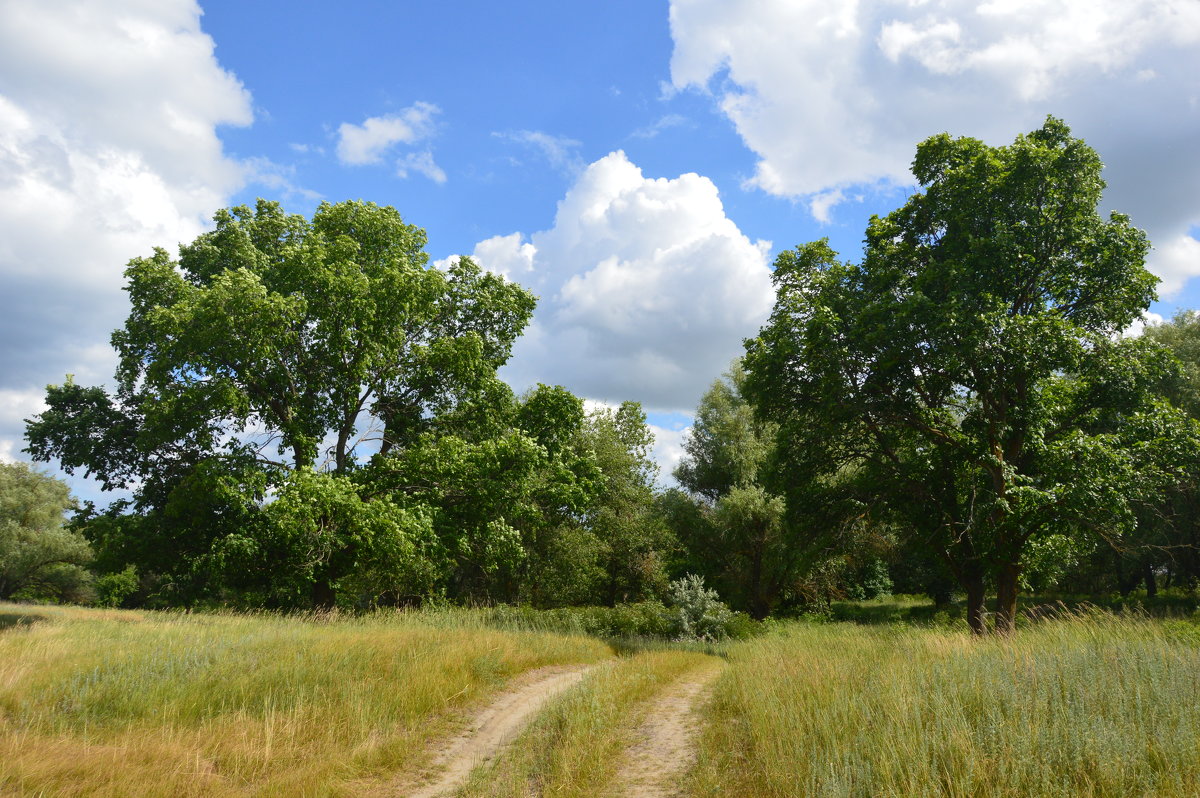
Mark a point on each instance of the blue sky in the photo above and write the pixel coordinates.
(636, 163)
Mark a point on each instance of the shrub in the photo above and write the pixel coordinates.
(699, 612)
(113, 589)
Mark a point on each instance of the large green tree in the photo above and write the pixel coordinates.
(970, 369)
(276, 346)
(747, 523)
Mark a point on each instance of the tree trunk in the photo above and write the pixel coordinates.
(976, 611)
(758, 604)
(322, 594)
(1125, 584)
(1151, 582)
(1006, 598)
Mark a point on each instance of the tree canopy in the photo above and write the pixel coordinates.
(971, 367)
(307, 407)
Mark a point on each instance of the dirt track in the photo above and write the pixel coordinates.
(495, 726)
(665, 743)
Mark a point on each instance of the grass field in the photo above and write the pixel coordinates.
(114, 703)
(96, 703)
(1088, 705)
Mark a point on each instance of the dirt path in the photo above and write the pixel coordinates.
(665, 743)
(494, 727)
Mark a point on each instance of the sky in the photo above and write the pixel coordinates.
(636, 163)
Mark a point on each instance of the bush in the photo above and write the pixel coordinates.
(699, 612)
(113, 589)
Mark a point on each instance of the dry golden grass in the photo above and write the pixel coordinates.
(110, 703)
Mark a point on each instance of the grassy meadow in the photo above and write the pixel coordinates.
(123, 703)
(115, 703)
(1090, 704)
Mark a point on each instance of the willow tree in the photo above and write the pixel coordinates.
(971, 368)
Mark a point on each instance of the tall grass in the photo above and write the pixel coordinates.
(1086, 705)
(110, 703)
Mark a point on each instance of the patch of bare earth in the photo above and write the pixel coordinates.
(664, 747)
(492, 729)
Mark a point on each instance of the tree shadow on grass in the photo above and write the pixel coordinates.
(12, 620)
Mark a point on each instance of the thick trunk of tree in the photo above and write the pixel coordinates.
(1006, 598)
(976, 611)
(1151, 582)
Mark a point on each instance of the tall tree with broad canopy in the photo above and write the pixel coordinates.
(971, 368)
(266, 355)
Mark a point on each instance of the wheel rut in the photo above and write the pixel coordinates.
(664, 747)
(493, 728)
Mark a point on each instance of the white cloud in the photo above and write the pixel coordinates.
(108, 147)
(833, 95)
(15, 407)
(668, 451)
(561, 152)
(646, 287)
(422, 163)
(279, 177)
(662, 123)
(369, 142)
(1175, 261)
(1139, 325)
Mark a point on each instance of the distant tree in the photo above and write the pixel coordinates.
(971, 368)
(39, 556)
(623, 515)
(735, 525)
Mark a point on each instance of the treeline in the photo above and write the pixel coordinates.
(307, 414)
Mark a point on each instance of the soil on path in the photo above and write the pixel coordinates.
(665, 742)
(494, 727)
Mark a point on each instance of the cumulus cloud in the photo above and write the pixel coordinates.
(108, 147)
(1175, 260)
(1139, 325)
(647, 288)
(832, 95)
(369, 142)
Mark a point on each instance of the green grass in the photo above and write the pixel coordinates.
(1089, 705)
(111, 703)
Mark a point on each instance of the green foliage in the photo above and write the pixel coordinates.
(633, 538)
(969, 371)
(699, 613)
(734, 523)
(40, 558)
(115, 589)
(870, 580)
(274, 348)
